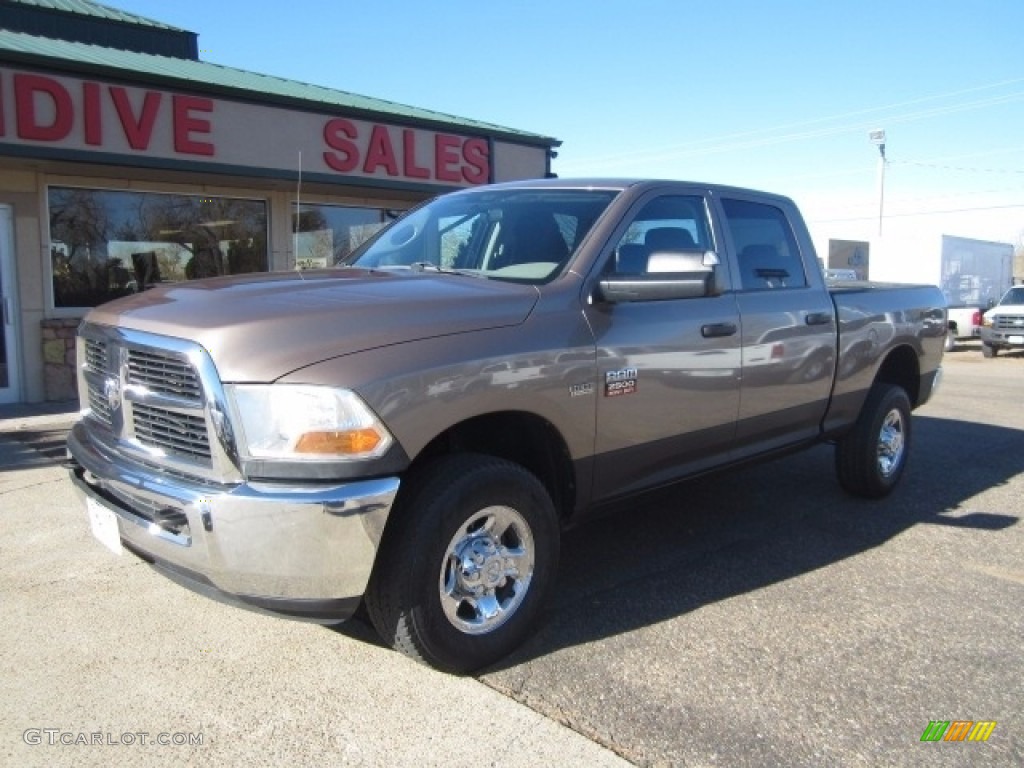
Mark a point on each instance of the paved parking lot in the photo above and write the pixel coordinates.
(756, 618)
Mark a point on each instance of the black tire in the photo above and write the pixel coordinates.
(870, 459)
(425, 606)
(987, 350)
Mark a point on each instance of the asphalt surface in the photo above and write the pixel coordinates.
(755, 618)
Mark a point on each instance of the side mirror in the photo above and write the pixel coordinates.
(670, 275)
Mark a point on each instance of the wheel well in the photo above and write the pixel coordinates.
(901, 368)
(952, 326)
(522, 438)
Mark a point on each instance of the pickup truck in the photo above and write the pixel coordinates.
(963, 323)
(410, 431)
(1002, 327)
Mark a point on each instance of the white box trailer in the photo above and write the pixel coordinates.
(972, 274)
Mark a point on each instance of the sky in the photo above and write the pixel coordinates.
(778, 95)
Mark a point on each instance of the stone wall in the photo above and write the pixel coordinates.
(59, 358)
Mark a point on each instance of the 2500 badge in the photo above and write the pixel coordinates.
(621, 382)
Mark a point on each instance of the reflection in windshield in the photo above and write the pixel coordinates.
(526, 235)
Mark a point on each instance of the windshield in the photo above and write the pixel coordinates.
(1013, 296)
(526, 235)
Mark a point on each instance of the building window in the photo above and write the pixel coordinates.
(326, 234)
(105, 244)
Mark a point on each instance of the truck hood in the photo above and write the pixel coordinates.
(260, 327)
(1005, 309)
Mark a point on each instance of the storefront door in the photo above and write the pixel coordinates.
(9, 391)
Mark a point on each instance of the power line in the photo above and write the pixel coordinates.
(726, 143)
(918, 213)
(954, 167)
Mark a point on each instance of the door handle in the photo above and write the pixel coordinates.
(716, 330)
(818, 318)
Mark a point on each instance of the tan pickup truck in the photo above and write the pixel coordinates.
(412, 429)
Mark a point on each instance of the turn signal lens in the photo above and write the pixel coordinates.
(349, 442)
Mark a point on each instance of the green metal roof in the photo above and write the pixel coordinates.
(87, 8)
(215, 78)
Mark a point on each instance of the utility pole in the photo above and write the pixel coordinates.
(877, 138)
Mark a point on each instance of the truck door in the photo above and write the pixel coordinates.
(668, 369)
(788, 329)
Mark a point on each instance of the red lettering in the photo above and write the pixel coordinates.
(338, 134)
(91, 113)
(139, 130)
(412, 170)
(185, 124)
(380, 152)
(26, 88)
(476, 153)
(445, 156)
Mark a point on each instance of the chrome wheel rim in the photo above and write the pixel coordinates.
(487, 570)
(891, 443)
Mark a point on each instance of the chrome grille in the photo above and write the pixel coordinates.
(1009, 322)
(157, 402)
(100, 406)
(178, 434)
(163, 373)
(96, 354)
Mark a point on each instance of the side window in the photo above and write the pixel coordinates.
(665, 224)
(765, 247)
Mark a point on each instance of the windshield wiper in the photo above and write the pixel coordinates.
(429, 266)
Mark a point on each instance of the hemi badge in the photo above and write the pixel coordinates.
(579, 390)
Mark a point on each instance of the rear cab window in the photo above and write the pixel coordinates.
(765, 247)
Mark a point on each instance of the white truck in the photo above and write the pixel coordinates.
(1003, 325)
(972, 274)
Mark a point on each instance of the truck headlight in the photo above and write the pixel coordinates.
(305, 422)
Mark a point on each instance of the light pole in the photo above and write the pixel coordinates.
(877, 138)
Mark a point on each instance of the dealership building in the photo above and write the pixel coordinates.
(125, 161)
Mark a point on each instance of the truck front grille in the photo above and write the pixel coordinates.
(100, 407)
(96, 354)
(156, 400)
(163, 373)
(1009, 322)
(179, 434)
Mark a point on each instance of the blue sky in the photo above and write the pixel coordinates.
(775, 95)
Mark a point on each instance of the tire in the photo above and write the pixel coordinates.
(950, 343)
(467, 559)
(987, 350)
(871, 458)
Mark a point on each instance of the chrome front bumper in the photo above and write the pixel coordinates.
(304, 551)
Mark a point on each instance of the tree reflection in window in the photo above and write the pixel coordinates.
(106, 244)
(326, 234)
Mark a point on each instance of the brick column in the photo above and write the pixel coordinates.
(59, 358)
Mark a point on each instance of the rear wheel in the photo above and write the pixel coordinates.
(870, 459)
(465, 564)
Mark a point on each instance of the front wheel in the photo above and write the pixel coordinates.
(987, 350)
(870, 459)
(466, 561)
